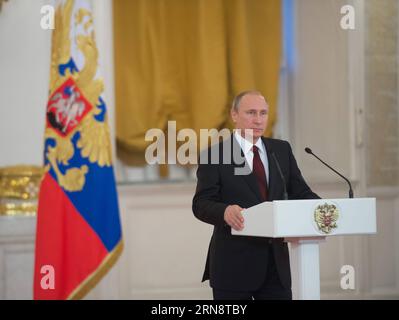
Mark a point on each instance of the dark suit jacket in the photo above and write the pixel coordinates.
(239, 263)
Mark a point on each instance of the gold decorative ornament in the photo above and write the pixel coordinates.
(326, 216)
(15, 209)
(19, 189)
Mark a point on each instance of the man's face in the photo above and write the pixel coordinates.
(252, 114)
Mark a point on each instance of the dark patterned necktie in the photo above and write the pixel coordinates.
(259, 171)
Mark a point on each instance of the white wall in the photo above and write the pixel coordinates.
(24, 78)
(320, 107)
(328, 106)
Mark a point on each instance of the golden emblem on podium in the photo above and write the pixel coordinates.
(326, 216)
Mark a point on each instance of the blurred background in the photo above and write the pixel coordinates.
(332, 89)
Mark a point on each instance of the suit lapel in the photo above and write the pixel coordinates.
(273, 178)
(250, 179)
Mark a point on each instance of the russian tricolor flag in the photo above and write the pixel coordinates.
(79, 234)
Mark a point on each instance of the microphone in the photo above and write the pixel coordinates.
(285, 195)
(308, 150)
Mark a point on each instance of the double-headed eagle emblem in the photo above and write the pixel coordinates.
(76, 113)
(326, 216)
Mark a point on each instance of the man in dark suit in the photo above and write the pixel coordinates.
(243, 267)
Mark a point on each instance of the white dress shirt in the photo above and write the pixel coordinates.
(246, 148)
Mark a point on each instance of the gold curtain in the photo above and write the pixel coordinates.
(185, 60)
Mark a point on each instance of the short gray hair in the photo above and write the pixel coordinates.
(236, 101)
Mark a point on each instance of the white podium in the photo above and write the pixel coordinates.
(306, 223)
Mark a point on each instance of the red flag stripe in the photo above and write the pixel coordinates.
(64, 241)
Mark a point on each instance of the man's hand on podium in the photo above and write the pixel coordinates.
(233, 217)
